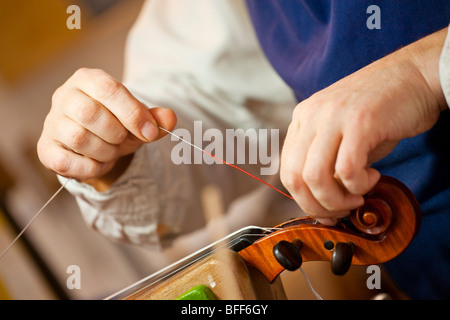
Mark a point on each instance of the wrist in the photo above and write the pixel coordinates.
(425, 56)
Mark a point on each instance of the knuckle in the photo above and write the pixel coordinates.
(116, 137)
(91, 169)
(121, 135)
(42, 154)
(79, 138)
(329, 203)
(285, 176)
(111, 154)
(290, 181)
(58, 95)
(361, 118)
(48, 121)
(65, 165)
(57, 161)
(286, 181)
(323, 198)
(84, 73)
(301, 111)
(297, 111)
(311, 176)
(352, 186)
(60, 163)
(344, 170)
(81, 72)
(106, 86)
(87, 112)
(135, 116)
(81, 75)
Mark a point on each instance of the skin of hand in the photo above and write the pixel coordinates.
(94, 126)
(338, 132)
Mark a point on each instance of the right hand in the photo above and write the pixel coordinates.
(337, 133)
(94, 121)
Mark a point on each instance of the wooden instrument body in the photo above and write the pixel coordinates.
(223, 271)
(379, 231)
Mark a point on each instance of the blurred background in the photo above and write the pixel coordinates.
(38, 53)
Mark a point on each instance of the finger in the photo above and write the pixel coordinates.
(165, 118)
(319, 173)
(292, 163)
(81, 141)
(327, 221)
(69, 164)
(93, 116)
(129, 145)
(133, 115)
(292, 158)
(313, 208)
(352, 165)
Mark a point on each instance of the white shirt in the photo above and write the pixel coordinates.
(444, 69)
(200, 58)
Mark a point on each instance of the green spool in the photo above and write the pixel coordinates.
(200, 292)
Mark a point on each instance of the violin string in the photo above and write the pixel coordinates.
(38, 213)
(229, 164)
(173, 134)
(254, 177)
(310, 285)
(32, 219)
(185, 262)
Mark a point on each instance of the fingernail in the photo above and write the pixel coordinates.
(150, 131)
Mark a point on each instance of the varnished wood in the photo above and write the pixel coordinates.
(386, 225)
(380, 230)
(223, 271)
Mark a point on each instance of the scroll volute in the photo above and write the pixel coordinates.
(389, 203)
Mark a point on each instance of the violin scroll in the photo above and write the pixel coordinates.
(376, 232)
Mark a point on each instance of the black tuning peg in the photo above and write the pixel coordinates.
(341, 260)
(288, 254)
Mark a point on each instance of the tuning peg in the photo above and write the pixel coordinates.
(288, 254)
(341, 259)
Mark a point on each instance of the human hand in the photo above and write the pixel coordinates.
(93, 122)
(336, 134)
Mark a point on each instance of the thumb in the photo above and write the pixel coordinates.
(164, 118)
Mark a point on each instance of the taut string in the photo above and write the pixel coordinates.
(229, 164)
(32, 219)
(171, 133)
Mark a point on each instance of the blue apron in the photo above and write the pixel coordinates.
(314, 43)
